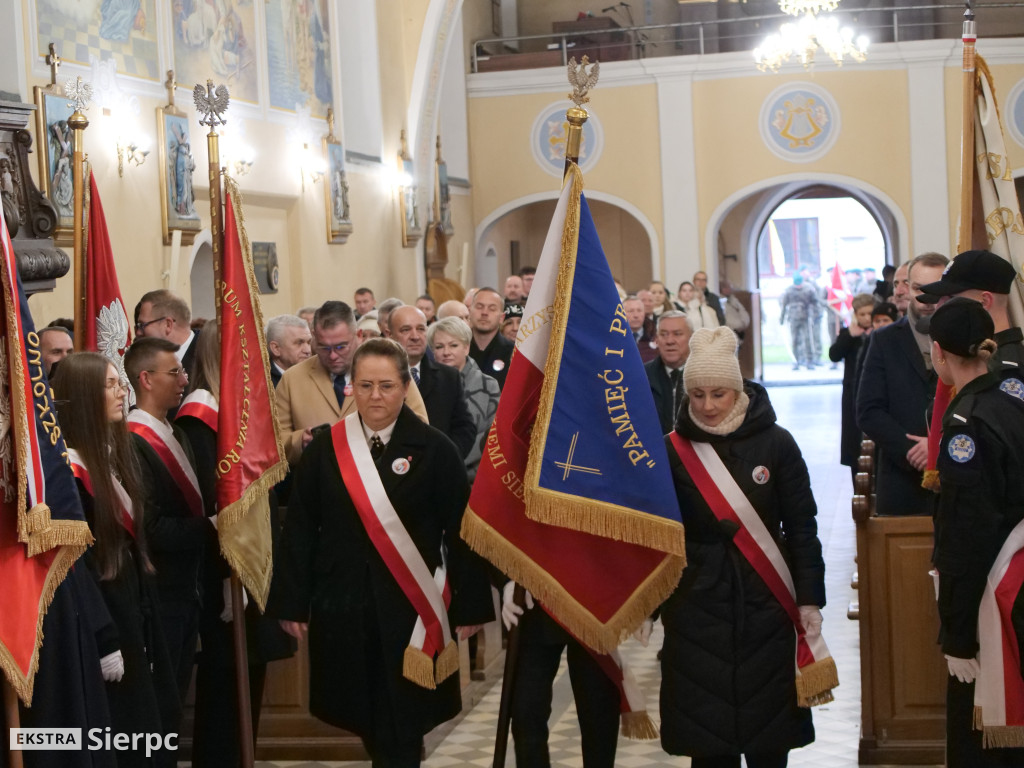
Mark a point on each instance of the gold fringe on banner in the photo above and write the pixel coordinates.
(418, 668)
(602, 637)
(593, 516)
(930, 481)
(998, 736)
(639, 726)
(814, 683)
(447, 662)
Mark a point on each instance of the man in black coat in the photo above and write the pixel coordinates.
(489, 349)
(700, 282)
(440, 385)
(334, 581)
(897, 388)
(665, 372)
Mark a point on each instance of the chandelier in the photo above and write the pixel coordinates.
(801, 39)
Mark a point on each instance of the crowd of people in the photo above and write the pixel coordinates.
(383, 410)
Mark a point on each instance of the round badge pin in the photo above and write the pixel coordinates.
(348, 390)
(498, 365)
(400, 466)
(761, 475)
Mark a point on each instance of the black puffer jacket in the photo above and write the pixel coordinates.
(728, 681)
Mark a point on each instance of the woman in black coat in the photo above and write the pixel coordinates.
(847, 348)
(334, 580)
(141, 692)
(728, 678)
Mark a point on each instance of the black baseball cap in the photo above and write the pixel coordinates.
(971, 270)
(960, 325)
(513, 310)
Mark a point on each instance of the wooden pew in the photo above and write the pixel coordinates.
(903, 673)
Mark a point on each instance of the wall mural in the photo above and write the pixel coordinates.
(299, 55)
(799, 122)
(122, 30)
(547, 139)
(1015, 112)
(216, 40)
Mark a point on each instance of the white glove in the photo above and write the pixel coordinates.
(810, 619)
(643, 632)
(510, 612)
(226, 615)
(112, 667)
(964, 670)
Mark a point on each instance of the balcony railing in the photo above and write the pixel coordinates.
(739, 32)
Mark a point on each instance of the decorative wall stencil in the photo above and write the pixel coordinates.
(1014, 114)
(799, 122)
(547, 139)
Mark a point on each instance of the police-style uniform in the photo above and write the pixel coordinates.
(981, 469)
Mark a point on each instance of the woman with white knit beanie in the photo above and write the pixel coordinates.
(728, 660)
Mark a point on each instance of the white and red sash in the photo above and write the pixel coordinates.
(202, 405)
(161, 439)
(428, 594)
(124, 500)
(816, 673)
(999, 692)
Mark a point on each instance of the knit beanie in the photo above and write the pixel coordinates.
(712, 361)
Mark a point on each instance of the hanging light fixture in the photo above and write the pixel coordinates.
(801, 39)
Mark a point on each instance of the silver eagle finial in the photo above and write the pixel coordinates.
(212, 103)
(581, 80)
(79, 93)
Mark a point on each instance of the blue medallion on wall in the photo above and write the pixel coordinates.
(1015, 113)
(799, 122)
(547, 139)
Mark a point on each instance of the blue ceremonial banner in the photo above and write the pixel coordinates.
(598, 462)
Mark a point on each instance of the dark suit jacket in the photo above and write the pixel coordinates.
(494, 358)
(661, 388)
(331, 575)
(175, 538)
(275, 375)
(894, 399)
(442, 392)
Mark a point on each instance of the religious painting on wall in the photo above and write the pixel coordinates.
(444, 195)
(299, 55)
(339, 220)
(122, 30)
(215, 40)
(412, 230)
(54, 149)
(177, 200)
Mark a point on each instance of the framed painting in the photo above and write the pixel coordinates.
(55, 152)
(339, 220)
(412, 228)
(177, 200)
(444, 199)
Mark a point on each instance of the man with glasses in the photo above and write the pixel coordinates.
(163, 314)
(318, 391)
(177, 529)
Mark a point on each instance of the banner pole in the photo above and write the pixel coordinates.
(12, 719)
(78, 94)
(213, 103)
(968, 98)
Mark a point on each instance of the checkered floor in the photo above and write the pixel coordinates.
(802, 410)
(136, 57)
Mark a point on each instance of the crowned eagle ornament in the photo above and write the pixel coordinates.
(212, 103)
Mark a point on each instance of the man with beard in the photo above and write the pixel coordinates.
(901, 288)
(897, 387)
(490, 350)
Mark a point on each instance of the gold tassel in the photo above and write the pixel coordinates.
(447, 661)
(815, 682)
(418, 668)
(639, 726)
(1002, 736)
(930, 482)
(603, 638)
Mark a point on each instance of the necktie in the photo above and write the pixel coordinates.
(339, 390)
(376, 447)
(676, 377)
(416, 375)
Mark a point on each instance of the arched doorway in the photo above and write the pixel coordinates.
(513, 237)
(735, 230)
(201, 277)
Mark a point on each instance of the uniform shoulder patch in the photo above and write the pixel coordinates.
(961, 448)
(1013, 387)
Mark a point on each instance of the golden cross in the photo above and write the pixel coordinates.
(54, 61)
(568, 466)
(169, 85)
(330, 122)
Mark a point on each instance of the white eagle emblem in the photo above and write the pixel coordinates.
(112, 339)
(1014, 388)
(961, 448)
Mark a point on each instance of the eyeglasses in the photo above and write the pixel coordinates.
(386, 387)
(141, 326)
(335, 349)
(175, 372)
(115, 385)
